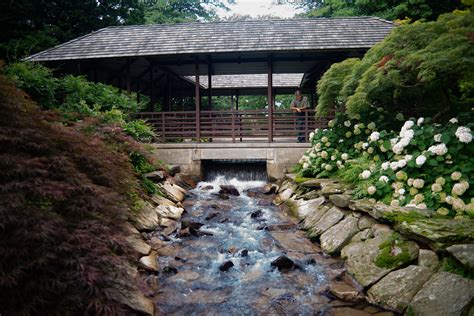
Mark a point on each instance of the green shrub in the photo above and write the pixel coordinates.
(139, 130)
(423, 69)
(36, 80)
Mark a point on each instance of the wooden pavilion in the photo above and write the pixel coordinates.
(177, 61)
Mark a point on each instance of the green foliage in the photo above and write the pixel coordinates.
(78, 98)
(87, 97)
(330, 85)
(36, 80)
(423, 69)
(391, 10)
(29, 26)
(175, 11)
(392, 252)
(140, 163)
(139, 130)
(63, 204)
(452, 265)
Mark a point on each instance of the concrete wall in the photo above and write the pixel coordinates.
(279, 157)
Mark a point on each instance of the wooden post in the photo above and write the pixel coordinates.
(152, 88)
(270, 101)
(209, 86)
(198, 102)
(129, 81)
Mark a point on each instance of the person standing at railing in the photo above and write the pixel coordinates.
(298, 106)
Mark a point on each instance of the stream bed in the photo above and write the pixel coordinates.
(230, 257)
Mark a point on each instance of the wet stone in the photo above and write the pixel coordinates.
(283, 263)
(229, 189)
(226, 266)
(256, 214)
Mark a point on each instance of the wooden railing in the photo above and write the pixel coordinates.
(233, 126)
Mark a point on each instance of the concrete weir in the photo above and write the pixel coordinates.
(279, 157)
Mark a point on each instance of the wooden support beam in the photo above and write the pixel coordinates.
(209, 85)
(270, 100)
(198, 102)
(152, 88)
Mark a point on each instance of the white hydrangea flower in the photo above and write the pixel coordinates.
(442, 211)
(313, 155)
(437, 138)
(344, 156)
(384, 179)
(385, 165)
(460, 188)
(371, 125)
(439, 149)
(409, 133)
(420, 121)
(393, 141)
(324, 154)
(371, 190)
(440, 180)
(401, 191)
(449, 199)
(410, 181)
(419, 198)
(459, 204)
(356, 131)
(347, 123)
(436, 187)
(328, 167)
(421, 206)
(341, 140)
(418, 183)
(305, 165)
(333, 157)
(395, 203)
(456, 175)
(331, 123)
(420, 160)
(316, 130)
(453, 120)
(348, 134)
(324, 139)
(365, 145)
(407, 125)
(375, 136)
(464, 134)
(365, 174)
(311, 135)
(402, 163)
(370, 150)
(408, 157)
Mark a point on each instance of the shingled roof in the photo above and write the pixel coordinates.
(250, 81)
(299, 35)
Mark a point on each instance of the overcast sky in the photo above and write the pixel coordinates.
(254, 8)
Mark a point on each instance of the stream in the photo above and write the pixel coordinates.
(230, 258)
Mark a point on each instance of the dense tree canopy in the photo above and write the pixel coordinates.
(32, 25)
(387, 9)
(174, 11)
(426, 68)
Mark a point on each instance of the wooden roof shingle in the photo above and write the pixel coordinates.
(223, 37)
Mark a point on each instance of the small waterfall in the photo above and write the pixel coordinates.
(247, 170)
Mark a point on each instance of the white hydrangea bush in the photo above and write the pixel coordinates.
(420, 165)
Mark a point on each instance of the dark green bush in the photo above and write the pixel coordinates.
(139, 130)
(424, 69)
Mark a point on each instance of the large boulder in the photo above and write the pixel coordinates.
(313, 217)
(169, 211)
(149, 262)
(147, 218)
(229, 189)
(160, 200)
(156, 176)
(464, 253)
(329, 219)
(340, 200)
(137, 244)
(294, 241)
(306, 207)
(438, 232)
(444, 294)
(186, 181)
(174, 192)
(428, 259)
(336, 237)
(363, 258)
(396, 290)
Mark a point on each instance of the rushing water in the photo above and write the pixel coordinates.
(192, 283)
